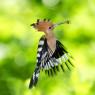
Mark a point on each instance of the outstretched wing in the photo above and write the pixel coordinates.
(50, 61)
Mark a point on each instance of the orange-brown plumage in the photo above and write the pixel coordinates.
(42, 25)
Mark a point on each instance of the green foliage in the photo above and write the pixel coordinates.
(18, 46)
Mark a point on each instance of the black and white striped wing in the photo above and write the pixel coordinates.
(51, 62)
(36, 73)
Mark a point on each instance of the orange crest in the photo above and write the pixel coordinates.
(43, 25)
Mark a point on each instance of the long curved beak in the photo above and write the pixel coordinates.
(57, 24)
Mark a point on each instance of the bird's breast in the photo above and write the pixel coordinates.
(52, 44)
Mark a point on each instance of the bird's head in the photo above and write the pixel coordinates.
(46, 25)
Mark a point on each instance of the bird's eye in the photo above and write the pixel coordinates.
(49, 27)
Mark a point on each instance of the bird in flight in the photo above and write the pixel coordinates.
(51, 53)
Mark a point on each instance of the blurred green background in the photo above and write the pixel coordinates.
(18, 46)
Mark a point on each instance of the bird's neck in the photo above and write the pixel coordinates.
(49, 35)
(51, 40)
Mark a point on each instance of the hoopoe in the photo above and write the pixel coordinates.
(51, 52)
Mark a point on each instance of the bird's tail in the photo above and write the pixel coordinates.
(34, 78)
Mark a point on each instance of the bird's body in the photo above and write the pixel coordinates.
(51, 56)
